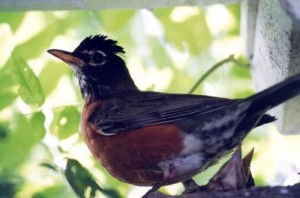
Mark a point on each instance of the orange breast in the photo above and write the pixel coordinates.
(132, 156)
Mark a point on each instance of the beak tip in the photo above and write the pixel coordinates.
(52, 51)
(49, 51)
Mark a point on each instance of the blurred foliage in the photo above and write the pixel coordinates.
(80, 180)
(194, 22)
(29, 85)
(10, 183)
(167, 50)
(65, 123)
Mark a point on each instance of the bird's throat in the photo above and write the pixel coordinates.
(94, 90)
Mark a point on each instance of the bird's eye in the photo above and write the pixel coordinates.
(99, 58)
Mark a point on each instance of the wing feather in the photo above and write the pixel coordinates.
(132, 109)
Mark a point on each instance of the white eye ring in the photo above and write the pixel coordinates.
(98, 58)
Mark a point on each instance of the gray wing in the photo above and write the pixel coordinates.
(132, 109)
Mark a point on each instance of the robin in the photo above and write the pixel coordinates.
(154, 139)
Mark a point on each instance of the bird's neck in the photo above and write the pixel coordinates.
(94, 90)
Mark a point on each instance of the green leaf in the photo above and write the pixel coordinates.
(6, 99)
(10, 182)
(3, 132)
(37, 121)
(7, 91)
(6, 80)
(40, 42)
(29, 85)
(193, 30)
(51, 166)
(81, 180)
(51, 74)
(14, 19)
(65, 122)
(15, 147)
(235, 10)
(120, 19)
(57, 191)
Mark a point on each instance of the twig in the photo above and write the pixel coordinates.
(213, 68)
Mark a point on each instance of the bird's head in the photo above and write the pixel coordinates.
(99, 67)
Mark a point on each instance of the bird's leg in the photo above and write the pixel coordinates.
(190, 186)
(169, 173)
(154, 188)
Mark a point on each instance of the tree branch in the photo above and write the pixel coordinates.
(255, 192)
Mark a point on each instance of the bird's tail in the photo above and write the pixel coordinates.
(275, 95)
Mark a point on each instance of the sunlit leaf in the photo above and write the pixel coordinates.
(29, 85)
(14, 19)
(57, 191)
(235, 10)
(6, 99)
(81, 180)
(37, 121)
(115, 20)
(50, 75)
(6, 80)
(39, 43)
(191, 30)
(7, 91)
(66, 122)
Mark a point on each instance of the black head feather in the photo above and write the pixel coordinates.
(107, 77)
(99, 42)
